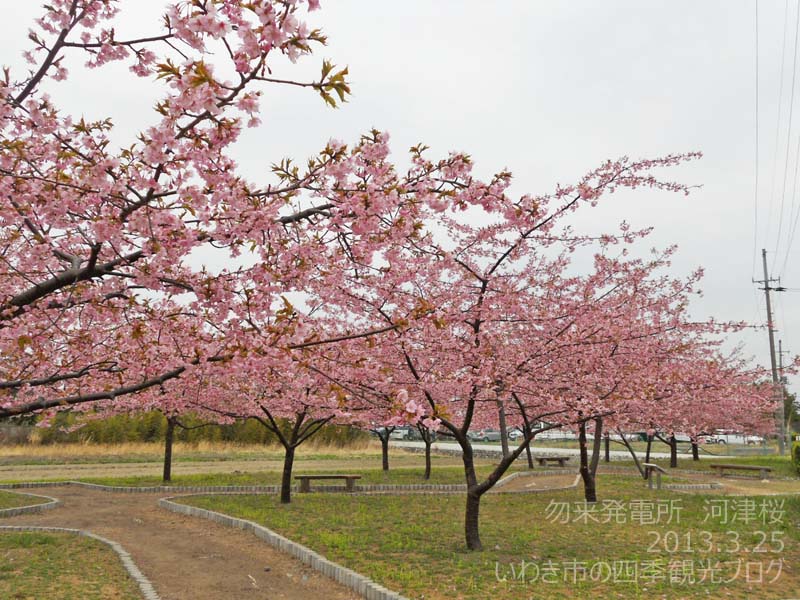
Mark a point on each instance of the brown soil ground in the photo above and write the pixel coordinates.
(532, 483)
(185, 558)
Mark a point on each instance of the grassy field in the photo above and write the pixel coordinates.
(66, 454)
(415, 544)
(440, 474)
(9, 500)
(781, 465)
(50, 566)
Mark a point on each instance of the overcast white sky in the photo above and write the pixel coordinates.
(550, 89)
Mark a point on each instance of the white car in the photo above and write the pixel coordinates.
(400, 433)
(514, 434)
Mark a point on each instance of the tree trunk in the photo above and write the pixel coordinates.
(695, 451)
(168, 438)
(471, 525)
(649, 445)
(589, 490)
(428, 441)
(503, 429)
(633, 454)
(673, 452)
(608, 448)
(598, 435)
(286, 477)
(385, 451)
(471, 518)
(528, 451)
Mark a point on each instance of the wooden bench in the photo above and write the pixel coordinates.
(305, 481)
(649, 469)
(763, 471)
(561, 460)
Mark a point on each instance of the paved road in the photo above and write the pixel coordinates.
(539, 450)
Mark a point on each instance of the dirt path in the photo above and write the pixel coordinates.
(185, 558)
(532, 483)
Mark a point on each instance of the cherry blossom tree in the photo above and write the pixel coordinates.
(100, 240)
(97, 239)
(483, 314)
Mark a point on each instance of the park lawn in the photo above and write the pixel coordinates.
(414, 544)
(781, 465)
(10, 500)
(396, 476)
(61, 565)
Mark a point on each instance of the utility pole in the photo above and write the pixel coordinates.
(781, 417)
(782, 378)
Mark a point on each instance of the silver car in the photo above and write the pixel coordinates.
(484, 435)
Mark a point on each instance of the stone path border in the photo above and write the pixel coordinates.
(148, 592)
(355, 581)
(378, 488)
(633, 471)
(30, 508)
(692, 486)
(518, 474)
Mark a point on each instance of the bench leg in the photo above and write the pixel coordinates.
(764, 474)
(658, 480)
(649, 479)
(305, 486)
(350, 485)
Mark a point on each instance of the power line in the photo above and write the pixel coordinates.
(792, 231)
(788, 136)
(755, 194)
(778, 124)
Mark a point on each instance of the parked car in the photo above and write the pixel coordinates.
(401, 433)
(514, 434)
(484, 435)
(754, 439)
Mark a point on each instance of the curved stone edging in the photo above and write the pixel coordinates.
(355, 581)
(147, 589)
(692, 486)
(133, 489)
(30, 508)
(32, 484)
(518, 474)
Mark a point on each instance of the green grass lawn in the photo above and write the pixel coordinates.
(64, 566)
(414, 544)
(397, 476)
(781, 465)
(9, 500)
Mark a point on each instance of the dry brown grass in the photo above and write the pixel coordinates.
(154, 449)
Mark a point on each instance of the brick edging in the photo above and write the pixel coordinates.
(376, 488)
(360, 584)
(692, 486)
(146, 588)
(134, 489)
(32, 484)
(30, 508)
